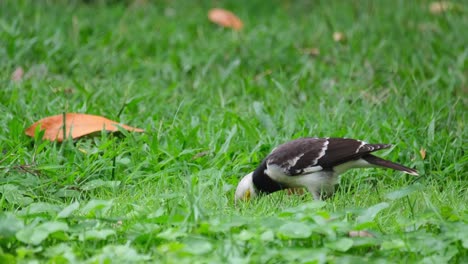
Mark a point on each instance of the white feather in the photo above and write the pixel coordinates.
(322, 152)
(245, 188)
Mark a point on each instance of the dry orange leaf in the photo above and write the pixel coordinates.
(77, 125)
(225, 18)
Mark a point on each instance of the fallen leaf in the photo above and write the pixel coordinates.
(225, 18)
(422, 151)
(339, 37)
(17, 75)
(440, 7)
(360, 233)
(77, 125)
(310, 51)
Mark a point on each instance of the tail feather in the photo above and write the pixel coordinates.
(388, 164)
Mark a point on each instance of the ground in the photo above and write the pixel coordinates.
(213, 102)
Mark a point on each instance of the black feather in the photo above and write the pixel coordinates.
(341, 150)
(388, 164)
(324, 152)
(263, 183)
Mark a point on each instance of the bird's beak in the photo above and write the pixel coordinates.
(244, 190)
(245, 197)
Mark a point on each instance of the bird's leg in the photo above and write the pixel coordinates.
(328, 192)
(322, 192)
(316, 193)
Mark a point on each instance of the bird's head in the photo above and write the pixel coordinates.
(245, 189)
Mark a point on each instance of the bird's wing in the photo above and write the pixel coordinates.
(307, 155)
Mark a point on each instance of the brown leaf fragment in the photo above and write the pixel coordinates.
(339, 37)
(76, 125)
(440, 7)
(17, 75)
(310, 51)
(360, 233)
(225, 18)
(422, 151)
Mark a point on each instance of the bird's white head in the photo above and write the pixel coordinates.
(245, 189)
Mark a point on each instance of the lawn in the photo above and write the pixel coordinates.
(213, 102)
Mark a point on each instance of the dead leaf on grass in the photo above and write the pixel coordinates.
(422, 151)
(440, 7)
(17, 75)
(76, 125)
(339, 37)
(225, 18)
(310, 51)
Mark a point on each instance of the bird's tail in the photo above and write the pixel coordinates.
(388, 164)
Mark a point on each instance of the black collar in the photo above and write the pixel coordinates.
(263, 183)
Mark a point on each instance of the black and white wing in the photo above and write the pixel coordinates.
(307, 155)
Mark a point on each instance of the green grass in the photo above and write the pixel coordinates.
(214, 102)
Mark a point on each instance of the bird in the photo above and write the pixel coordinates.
(313, 163)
